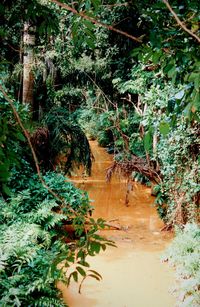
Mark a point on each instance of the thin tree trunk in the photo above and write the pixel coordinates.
(28, 61)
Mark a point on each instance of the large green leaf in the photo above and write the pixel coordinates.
(147, 141)
(164, 128)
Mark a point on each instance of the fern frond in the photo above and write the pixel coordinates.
(49, 302)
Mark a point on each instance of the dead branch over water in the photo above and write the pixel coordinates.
(136, 164)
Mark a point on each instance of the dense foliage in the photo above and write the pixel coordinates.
(184, 255)
(37, 246)
(10, 138)
(137, 94)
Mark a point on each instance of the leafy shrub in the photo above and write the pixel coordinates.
(28, 249)
(184, 254)
(61, 141)
(178, 156)
(31, 192)
(27, 254)
(35, 243)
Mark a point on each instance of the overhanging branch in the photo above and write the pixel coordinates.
(180, 23)
(26, 134)
(95, 21)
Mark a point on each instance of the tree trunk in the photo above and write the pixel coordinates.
(28, 61)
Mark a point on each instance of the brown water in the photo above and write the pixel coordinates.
(133, 274)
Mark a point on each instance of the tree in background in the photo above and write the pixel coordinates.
(28, 63)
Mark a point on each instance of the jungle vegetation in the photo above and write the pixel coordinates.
(126, 73)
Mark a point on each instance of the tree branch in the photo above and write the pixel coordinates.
(95, 21)
(116, 4)
(180, 23)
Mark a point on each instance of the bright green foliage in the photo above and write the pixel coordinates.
(34, 254)
(178, 153)
(88, 120)
(34, 191)
(173, 51)
(176, 149)
(29, 247)
(27, 253)
(184, 253)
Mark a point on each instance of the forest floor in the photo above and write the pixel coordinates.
(133, 273)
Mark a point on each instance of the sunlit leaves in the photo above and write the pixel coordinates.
(164, 128)
(174, 52)
(179, 95)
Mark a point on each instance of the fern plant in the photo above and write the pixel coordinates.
(36, 247)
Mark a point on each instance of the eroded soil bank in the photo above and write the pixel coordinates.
(133, 274)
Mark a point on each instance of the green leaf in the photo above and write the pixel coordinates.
(70, 258)
(81, 271)
(74, 30)
(170, 105)
(94, 276)
(96, 273)
(80, 254)
(20, 136)
(193, 77)
(147, 141)
(164, 128)
(2, 154)
(96, 4)
(75, 276)
(168, 66)
(172, 72)
(4, 172)
(90, 42)
(196, 102)
(156, 56)
(88, 24)
(187, 110)
(95, 247)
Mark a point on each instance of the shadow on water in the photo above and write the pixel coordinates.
(133, 275)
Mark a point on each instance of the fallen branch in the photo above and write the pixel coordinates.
(136, 164)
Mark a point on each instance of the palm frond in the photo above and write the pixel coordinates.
(61, 141)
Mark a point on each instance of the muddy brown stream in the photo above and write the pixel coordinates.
(133, 274)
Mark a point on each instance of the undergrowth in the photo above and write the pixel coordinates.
(184, 255)
(37, 249)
